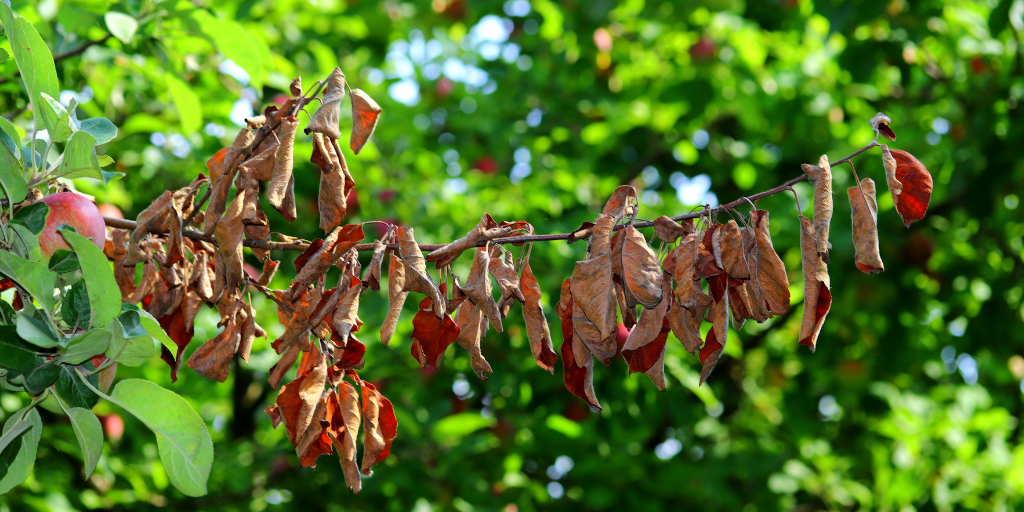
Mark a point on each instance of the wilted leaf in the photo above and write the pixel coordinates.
(472, 326)
(229, 241)
(579, 371)
(880, 123)
(821, 176)
(504, 273)
(769, 282)
(431, 335)
(641, 271)
(297, 401)
(669, 230)
(164, 214)
(213, 358)
(478, 290)
(865, 226)
(333, 184)
(714, 345)
(485, 230)
(536, 324)
(380, 427)
(222, 167)
(622, 203)
(733, 242)
(325, 119)
(594, 293)
(396, 298)
(345, 315)
(337, 243)
(343, 417)
(365, 112)
(371, 277)
(644, 350)
(909, 182)
(817, 287)
(687, 311)
(417, 278)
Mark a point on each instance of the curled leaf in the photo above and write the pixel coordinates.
(281, 191)
(714, 345)
(396, 298)
(325, 119)
(821, 176)
(594, 294)
(417, 278)
(345, 315)
(644, 350)
(622, 203)
(687, 311)
(504, 273)
(536, 324)
(880, 123)
(865, 226)
(641, 271)
(909, 182)
(380, 427)
(484, 230)
(669, 230)
(228, 231)
(431, 334)
(734, 240)
(478, 290)
(472, 326)
(817, 287)
(343, 416)
(334, 182)
(769, 281)
(371, 278)
(337, 243)
(365, 113)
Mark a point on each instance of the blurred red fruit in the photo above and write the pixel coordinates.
(352, 200)
(703, 49)
(109, 210)
(486, 165)
(113, 426)
(387, 195)
(444, 87)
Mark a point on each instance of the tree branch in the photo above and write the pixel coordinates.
(59, 57)
(289, 246)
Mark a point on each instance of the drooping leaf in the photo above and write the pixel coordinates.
(734, 242)
(817, 287)
(478, 290)
(578, 372)
(644, 350)
(325, 119)
(431, 335)
(104, 296)
(417, 278)
(536, 324)
(183, 441)
(472, 325)
(365, 113)
(396, 298)
(343, 413)
(821, 176)
(484, 230)
(641, 271)
(16, 470)
(909, 182)
(714, 345)
(690, 304)
(89, 433)
(371, 276)
(380, 427)
(669, 230)
(594, 294)
(769, 281)
(864, 209)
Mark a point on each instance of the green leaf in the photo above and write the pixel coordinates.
(184, 443)
(101, 128)
(80, 158)
(34, 277)
(151, 325)
(31, 158)
(459, 425)
(12, 181)
(129, 351)
(33, 216)
(54, 114)
(36, 331)
(14, 353)
(12, 134)
(121, 25)
(63, 261)
(87, 344)
(999, 17)
(104, 161)
(104, 295)
(38, 378)
(187, 103)
(131, 324)
(4, 56)
(24, 242)
(75, 309)
(234, 41)
(25, 458)
(7, 314)
(32, 55)
(71, 389)
(90, 436)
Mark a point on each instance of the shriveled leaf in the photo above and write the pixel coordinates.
(593, 292)
(281, 191)
(396, 298)
(365, 113)
(769, 281)
(821, 176)
(431, 335)
(380, 427)
(578, 372)
(644, 350)
(472, 326)
(622, 203)
(714, 345)
(229, 241)
(325, 119)
(333, 184)
(337, 243)
(687, 311)
(345, 315)
(734, 260)
(864, 209)
(343, 413)
(485, 230)
(909, 182)
(504, 272)
(817, 287)
(669, 230)
(536, 324)
(417, 278)
(478, 290)
(213, 358)
(371, 276)
(641, 271)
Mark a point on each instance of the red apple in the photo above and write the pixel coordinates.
(113, 426)
(75, 211)
(109, 210)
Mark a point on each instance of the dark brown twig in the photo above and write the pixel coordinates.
(61, 56)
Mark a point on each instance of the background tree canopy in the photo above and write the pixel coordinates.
(537, 110)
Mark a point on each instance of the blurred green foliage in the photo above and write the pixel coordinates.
(537, 110)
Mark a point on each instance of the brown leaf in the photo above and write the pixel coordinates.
(222, 167)
(281, 191)
(325, 119)
(116, 249)
(733, 241)
(431, 335)
(821, 176)
(504, 273)
(174, 325)
(396, 299)
(257, 228)
(579, 372)
(817, 287)
(864, 207)
(909, 182)
(365, 112)
(299, 320)
(593, 292)
(314, 442)
(283, 365)
(297, 400)
(371, 278)
(333, 194)
(669, 230)
(345, 315)
(472, 326)
(478, 290)
(740, 305)
(708, 263)
(628, 313)
(296, 86)
(164, 214)
(343, 417)
(213, 358)
(644, 350)
(584, 231)
(417, 279)
(337, 243)
(881, 124)
(769, 281)
(641, 270)
(687, 311)
(229, 240)
(485, 230)
(536, 324)
(380, 427)
(269, 269)
(622, 203)
(713, 347)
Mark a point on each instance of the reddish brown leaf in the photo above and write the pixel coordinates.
(536, 324)
(594, 294)
(213, 358)
(345, 316)
(865, 226)
(417, 279)
(579, 376)
(472, 326)
(371, 278)
(622, 203)
(380, 427)
(431, 335)
(504, 273)
(283, 365)
(821, 176)
(334, 246)
(733, 242)
(641, 271)
(909, 182)
(669, 230)
(485, 230)
(478, 290)
(817, 287)
(714, 345)
(343, 411)
(769, 282)
(174, 325)
(396, 299)
(325, 119)
(644, 350)
(687, 311)
(365, 113)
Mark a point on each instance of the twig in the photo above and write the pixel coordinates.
(287, 246)
(61, 56)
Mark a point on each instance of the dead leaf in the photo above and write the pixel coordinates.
(864, 209)
(504, 273)
(345, 315)
(734, 260)
(669, 230)
(644, 350)
(536, 324)
(584, 231)
(396, 299)
(641, 270)
(687, 311)
(380, 427)
(713, 347)
(821, 176)
(365, 113)
(622, 203)
(880, 123)
(417, 278)
(472, 326)
(579, 376)
(229, 241)
(593, 291)
(297, 400)
(337, 243)
(769, 281)
(325, 119)
(431, 335)
(485, 230)
(478, 290)
(333, 187)
(909, 182)
(343, 416)
(371, 278)
(817, 287)
(213, 358)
